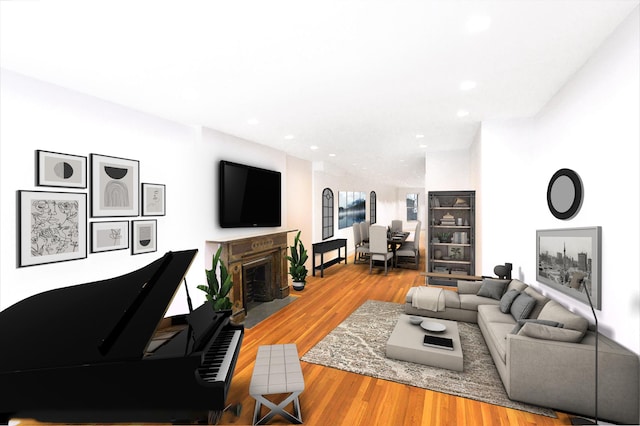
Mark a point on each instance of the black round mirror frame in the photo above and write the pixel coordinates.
(576, 203)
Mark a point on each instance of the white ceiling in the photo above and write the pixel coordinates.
(358, 79)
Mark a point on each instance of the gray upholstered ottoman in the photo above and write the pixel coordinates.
(277, 370)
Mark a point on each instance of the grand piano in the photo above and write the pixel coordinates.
(104, 352)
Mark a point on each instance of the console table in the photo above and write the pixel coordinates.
(327, 246)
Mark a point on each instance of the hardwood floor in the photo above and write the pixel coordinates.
(334, 397)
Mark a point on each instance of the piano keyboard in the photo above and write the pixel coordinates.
(218, 358)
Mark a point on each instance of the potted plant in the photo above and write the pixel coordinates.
(218, 294)
(298, 257)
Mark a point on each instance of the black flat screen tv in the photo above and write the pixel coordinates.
(249, 196)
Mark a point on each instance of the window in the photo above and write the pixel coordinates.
(412, 206)
(327, 213)
(372, 207)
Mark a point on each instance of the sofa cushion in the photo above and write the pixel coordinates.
(468, 287)
(507, 299)
(451, 299)
(471, 301)
(516, 285)
(522, 306)
(554, 311)
(493, 288)
(498, 336)
(492, 314)
(540, 301)
(541, 331)
(522, 322)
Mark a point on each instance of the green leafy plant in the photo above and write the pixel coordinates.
(298, 257)
(218, 294)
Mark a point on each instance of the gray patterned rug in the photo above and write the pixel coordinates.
(358, 344)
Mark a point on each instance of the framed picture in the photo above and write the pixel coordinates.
(563, 254)
(115, 184)
(64, 170)
(153, 199)
(109, 236)
(52, 227)
(351, 208)
(144, 236)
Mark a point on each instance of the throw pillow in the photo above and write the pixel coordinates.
(492, 288)
(522, 322)
(507, 300)
(541, 331)
(522, 306)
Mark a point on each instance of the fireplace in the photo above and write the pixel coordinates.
(258, 266)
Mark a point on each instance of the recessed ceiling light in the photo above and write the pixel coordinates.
(332, 155)
(462, 113)
(467, 85)
(253, 121)
(478, 23)
(314, 147)
(289, 137)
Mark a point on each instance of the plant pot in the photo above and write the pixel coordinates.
(298, 285)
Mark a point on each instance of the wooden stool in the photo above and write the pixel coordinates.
(277, 370)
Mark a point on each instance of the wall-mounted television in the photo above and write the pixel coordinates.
(249, 196)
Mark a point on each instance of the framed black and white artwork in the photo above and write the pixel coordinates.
(63, 170)
(144, 236)
(569, 261)
(109, 236)
(52, 227)
(153, 199)
(115, 184)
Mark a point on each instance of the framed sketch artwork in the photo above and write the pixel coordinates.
(568, 258)
(64, 170)
(115, 184)
(52, 227)
(153, 199)
(109, 236)
(144, 236)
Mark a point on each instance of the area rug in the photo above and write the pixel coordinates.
(358, 345)
(265, 310)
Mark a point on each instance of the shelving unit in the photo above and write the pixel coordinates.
(451, 236)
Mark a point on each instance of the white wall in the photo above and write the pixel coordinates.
(37, 115)
(593, 127)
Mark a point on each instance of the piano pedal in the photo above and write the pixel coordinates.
(215, 416)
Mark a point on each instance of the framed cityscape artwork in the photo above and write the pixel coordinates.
(115, 184)
(63, 170)
(52, 227)
(565, 253)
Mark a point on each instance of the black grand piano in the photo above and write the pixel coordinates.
(103, 352)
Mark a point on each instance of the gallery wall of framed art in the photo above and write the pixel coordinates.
(58, 226)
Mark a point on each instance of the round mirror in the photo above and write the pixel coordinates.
(564, 194)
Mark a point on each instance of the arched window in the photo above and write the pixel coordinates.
(327, 213)
(372, 207)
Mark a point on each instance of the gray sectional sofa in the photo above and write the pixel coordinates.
(544, 353)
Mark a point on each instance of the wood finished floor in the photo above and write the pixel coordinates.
(334, 397)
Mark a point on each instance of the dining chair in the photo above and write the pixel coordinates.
(378, 247)
(364, 231)
(396, 225)
(409, 251)
(361, 249)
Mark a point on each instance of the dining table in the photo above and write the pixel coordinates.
(395, 240)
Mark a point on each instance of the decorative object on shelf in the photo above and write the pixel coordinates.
(460, 202)
(144, 236)
(217, 292)
(109, 236)
(297, 269)
(503, 271)
(153, 199)
(52, 227)
(63, 170)
(456, 253)
(563, 252)
(564, 194)
(448, 220)
(437, 254)
(114, 186)
(444, 237)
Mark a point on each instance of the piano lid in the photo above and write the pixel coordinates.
(102, 321)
